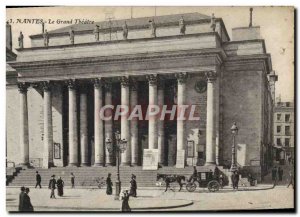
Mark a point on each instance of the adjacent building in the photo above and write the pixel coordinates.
(284, 129)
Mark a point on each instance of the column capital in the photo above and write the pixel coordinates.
(108, 85)
(72, 84)
(133, 84)
(46, 85)
(153, 79)
(23, 86)
(181, 77)
(211, 76)
(124, 81)
(97, 82)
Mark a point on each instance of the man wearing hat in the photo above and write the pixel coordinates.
(21, 199)
(38, 179)
(27, 206)
(52, 184)
(133, 186)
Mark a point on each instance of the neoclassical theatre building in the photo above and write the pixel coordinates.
(57, 87)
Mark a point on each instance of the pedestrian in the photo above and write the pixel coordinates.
(72, 180)
(109, 185)
(291, 176)
(280, 173)
(194, 175)
(21, 199)
(290, 159)
(274, 174)
(52, 184)
(221, 180)
(38, 179)
(27, 206)
(133, 185)
(235, 180)
(125, 202)
(60, 187)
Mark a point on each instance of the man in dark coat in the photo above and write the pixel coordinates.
(108, 184)
(194, 175)
(133, 186)
(235, 180)
(274, 174)
(27, 206)
(21, 197)
(38, 179)
(280, 173)
(52, 184)
(60, 187)
(72, 180)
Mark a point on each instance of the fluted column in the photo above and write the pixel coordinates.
(108, 123)
(73, 135)
(125, 130)
(48, 127)
(134, 123)
(99, 137)
(210, 119)
(181, 101)
(160, 125)
(83, 127)
(152, 131)
(24, 140)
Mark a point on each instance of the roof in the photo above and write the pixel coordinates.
(142, 21)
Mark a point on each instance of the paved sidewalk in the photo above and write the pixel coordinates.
(91, 200)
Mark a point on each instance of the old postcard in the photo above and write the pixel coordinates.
(130, 109)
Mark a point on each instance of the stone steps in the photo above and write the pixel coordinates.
(85, 176)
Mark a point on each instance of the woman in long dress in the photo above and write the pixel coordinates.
(108, 185)
(60, 187)
(125, 202)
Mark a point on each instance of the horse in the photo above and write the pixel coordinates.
(171, 178)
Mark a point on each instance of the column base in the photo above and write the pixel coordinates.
(98, 165)
(84, 164)
(210, 164)
(134, 164)
(24, 165)
(72, 165)
(109, 164)
(125, 164)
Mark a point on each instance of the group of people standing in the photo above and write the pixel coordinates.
(277, 174)
(125, 194)
(24, 201)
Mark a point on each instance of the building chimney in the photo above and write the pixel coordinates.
(8, 36)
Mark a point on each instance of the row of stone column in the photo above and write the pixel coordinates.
(129, 129)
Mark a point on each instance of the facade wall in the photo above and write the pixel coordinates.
(241, 101)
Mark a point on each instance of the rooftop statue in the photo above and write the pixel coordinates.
(125, 31)
(96, 32)
(71, 33)
(153, 28)
(213, 23)
(46, 38)
(182, 26)
(20, 40)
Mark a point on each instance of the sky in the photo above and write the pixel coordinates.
(276, 26)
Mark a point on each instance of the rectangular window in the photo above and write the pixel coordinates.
(287, 142)
(278, 141)
(278, 129)
(278, 117)
(287, 130)
(287, 118)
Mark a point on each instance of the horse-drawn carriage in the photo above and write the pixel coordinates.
(206, 178)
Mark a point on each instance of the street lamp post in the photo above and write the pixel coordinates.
(234, 131)
(120, 148)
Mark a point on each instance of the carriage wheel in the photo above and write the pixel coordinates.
(213, 186)
(191, 187)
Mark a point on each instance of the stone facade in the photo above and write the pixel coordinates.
(226, 80)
